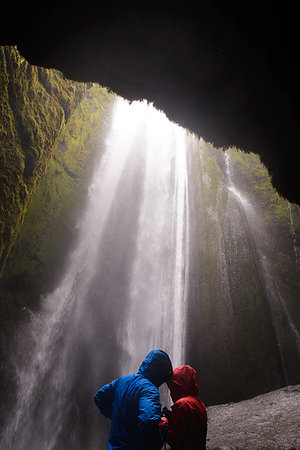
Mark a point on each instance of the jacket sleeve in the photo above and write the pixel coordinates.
(177, 425)
(149, 416)
(104, 399)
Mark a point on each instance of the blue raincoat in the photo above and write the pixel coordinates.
(132, 403)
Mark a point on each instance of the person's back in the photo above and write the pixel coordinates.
(133, 405)
(188, 418)
(187, 424)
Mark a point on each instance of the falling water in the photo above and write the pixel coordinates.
(295, 248)
(129, 267)
(161, 260)
(285, 329)
(179, 247)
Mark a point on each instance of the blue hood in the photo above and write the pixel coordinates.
(157, 367)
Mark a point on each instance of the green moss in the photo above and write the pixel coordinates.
(251, 176)
(51, 129)
(35, 106)
(48, 228)
(230, 314)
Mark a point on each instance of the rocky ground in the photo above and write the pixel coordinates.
(268, 422)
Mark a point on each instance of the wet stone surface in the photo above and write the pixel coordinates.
(267, 422)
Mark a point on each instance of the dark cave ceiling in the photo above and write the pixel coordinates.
(228, 72)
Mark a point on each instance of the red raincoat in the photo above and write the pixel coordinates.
(187, 426)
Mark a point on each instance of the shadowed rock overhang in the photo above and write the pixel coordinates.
(228, 73)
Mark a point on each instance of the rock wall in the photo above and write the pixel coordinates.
(36, 105)
(244, 290)
(51, 131)
(244, 281)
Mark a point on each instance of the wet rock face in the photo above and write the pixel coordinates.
(227, 72)
(267, 422)
(36, 105)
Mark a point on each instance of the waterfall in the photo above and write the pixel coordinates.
(128, 269)
(295, 248)
(180, 246)
(285, 329)
(161, 259)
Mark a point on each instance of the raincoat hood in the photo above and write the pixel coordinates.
(183, 383)
(157, 367)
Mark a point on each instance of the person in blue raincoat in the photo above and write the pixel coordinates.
(132, 403)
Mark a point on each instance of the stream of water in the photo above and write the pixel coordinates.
(170, 253)
(138, 202)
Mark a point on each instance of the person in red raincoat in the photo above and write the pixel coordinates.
(186, 426)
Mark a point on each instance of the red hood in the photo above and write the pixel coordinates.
(183, 382)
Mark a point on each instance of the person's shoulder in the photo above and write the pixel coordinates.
(121, 381)
(125, 378)
(184, 402)
(190, 405)
(146, 384)
(181, 402)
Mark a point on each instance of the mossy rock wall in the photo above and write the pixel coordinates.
(244, 281)
(39, 206)
(36, 104)
(244, 287)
